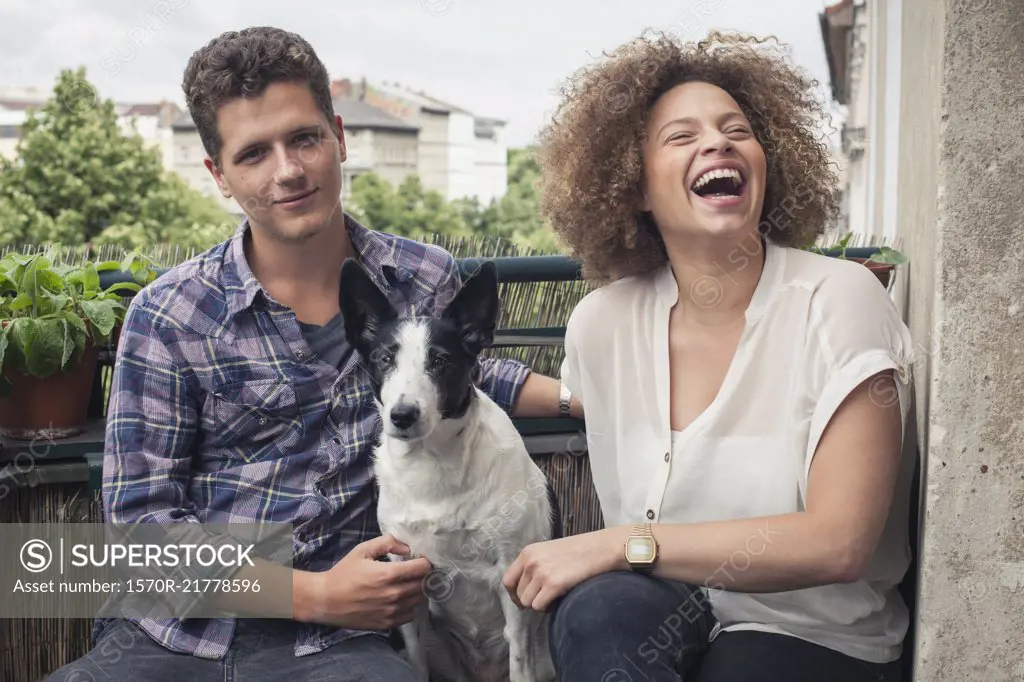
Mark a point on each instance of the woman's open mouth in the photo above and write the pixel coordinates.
(721, 187)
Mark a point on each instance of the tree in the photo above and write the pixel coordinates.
(516, 216)
(407, 211)
(412, 211)
(79, 178)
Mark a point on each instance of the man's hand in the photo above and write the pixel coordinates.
(361, 592)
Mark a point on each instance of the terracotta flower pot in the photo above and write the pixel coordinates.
(50, 408)
(883, 271)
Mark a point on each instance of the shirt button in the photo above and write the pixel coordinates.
(904, 374)
(650, 514)
(667, 456)
(336, 440)
(263, 421)
(301, 354)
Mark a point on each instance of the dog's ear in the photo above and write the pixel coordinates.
(364, 307)
(474, 310)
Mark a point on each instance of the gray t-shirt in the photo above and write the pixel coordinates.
(328, 341)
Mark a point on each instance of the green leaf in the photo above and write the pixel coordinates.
(51, 346)
(108, 265)
(7, 285)
(22, 259)
(42, 346)
(91, 278)
(49, 304)
(68, 348)
(124, 286)
(20, 302)
(101, 314)
(3, 348)
(37, 278)
(79, 333)
(889, 256)
(21, 333)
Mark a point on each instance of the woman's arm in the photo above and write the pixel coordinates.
(850, 488)
(849, 493)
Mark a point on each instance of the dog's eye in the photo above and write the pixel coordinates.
(439, 360)
(382, 358)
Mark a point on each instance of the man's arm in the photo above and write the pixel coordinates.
(152, 425)
(539, 397)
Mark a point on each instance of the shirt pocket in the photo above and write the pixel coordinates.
(254, 420)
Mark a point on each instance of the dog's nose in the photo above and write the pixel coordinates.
(405, 415)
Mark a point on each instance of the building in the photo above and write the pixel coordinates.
(857, 35)
(152, 120)
(934, 125)
(10, 132)
(376, 141)
(460, 155)
(187, 160)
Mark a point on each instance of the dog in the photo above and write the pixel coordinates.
(455, 481)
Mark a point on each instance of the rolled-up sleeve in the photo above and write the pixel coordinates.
(856, 333)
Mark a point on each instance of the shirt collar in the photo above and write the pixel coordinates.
(771, 275)
(371, 248)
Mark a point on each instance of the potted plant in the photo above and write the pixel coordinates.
(882, 263)
(53, 320)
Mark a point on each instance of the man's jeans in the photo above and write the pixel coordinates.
(626, 627)
(261, 650)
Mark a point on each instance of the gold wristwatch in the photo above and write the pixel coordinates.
(641, 548)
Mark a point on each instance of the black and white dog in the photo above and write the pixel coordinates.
(456, 482)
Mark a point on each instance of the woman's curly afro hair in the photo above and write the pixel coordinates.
(590, 152)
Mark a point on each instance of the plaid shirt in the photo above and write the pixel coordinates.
(219, 413)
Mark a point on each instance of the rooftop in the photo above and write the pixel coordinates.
(355, 114)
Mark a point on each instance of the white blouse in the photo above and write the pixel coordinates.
(816, 327)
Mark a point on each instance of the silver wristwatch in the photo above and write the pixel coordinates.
(564, 396)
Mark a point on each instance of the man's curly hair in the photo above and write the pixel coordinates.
(243, 64)
(590, 152)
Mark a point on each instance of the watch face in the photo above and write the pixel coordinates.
(640, 550)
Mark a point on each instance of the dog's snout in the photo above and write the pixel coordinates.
(405, 415)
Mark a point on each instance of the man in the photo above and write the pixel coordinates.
(236, 398)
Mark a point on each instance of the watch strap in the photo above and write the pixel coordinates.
(564, 396)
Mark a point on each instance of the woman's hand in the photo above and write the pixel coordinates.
(544, 571)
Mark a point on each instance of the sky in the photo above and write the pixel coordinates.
(497, 59)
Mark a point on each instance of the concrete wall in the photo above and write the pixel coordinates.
(395, 154)
(462, 178)
(858, 196)
(433, 156)
(961, 208)
(491, 166)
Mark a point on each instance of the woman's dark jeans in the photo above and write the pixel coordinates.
(626, 627)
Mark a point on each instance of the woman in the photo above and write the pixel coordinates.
(744, 397)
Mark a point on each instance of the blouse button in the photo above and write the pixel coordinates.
(667, 455)
(650, 514)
